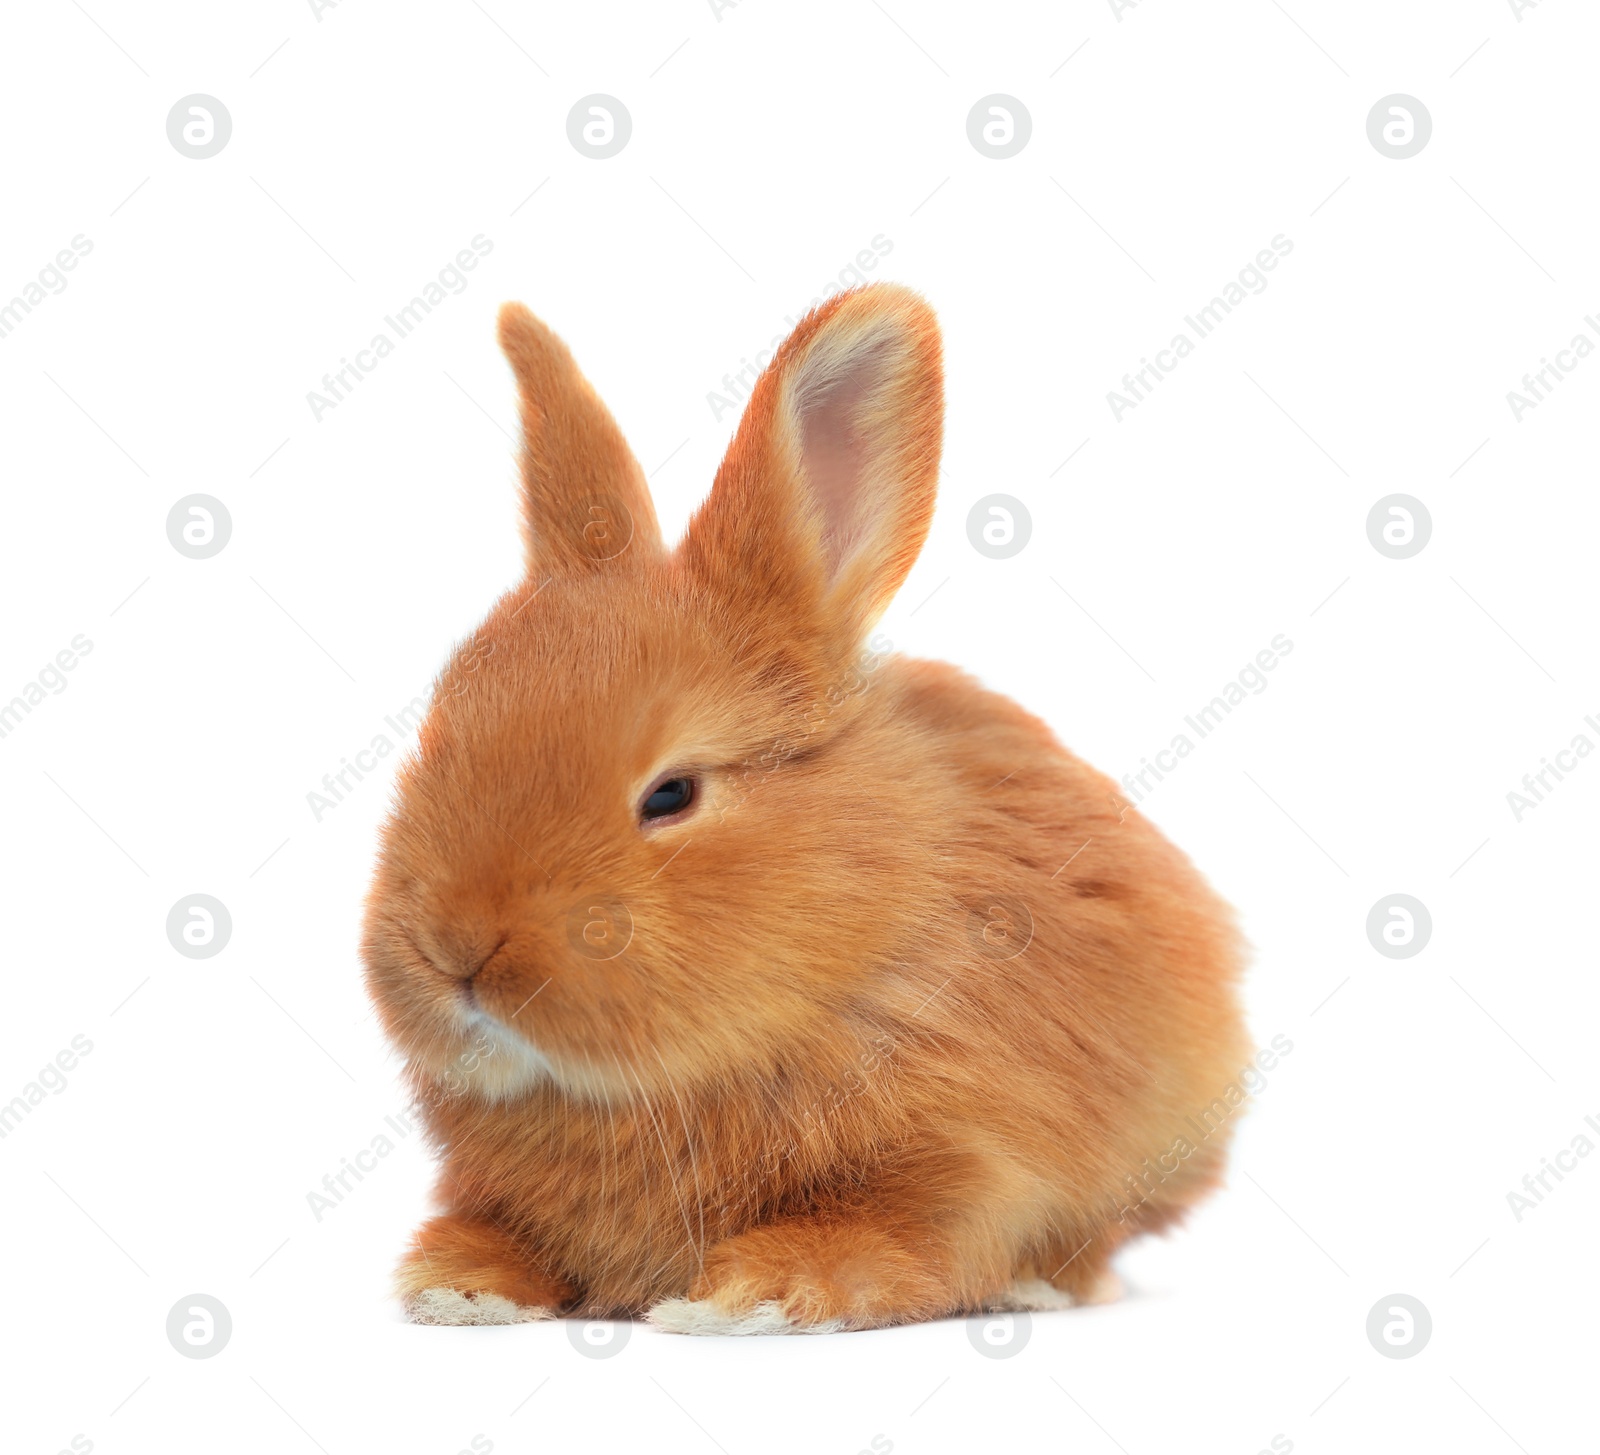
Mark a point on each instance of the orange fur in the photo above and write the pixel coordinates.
(817, 1076)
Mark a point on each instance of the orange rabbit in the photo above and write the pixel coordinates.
(749, 977)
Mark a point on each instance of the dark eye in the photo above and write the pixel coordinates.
(668, 797)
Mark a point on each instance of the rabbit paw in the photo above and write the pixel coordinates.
(451, 1306)
(805, 1277)
(705, 1316)
(467, 1271)
(1038, 1295)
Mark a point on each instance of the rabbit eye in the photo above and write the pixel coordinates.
(670, 796)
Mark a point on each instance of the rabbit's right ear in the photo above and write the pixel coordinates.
(585, 502)
(825, 497)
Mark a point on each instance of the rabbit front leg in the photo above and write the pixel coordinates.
(463, 1269)
(919, 1238)
(818, 1273)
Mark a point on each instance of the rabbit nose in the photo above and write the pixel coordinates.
(461, 956)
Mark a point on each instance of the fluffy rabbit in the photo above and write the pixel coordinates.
(752, 978)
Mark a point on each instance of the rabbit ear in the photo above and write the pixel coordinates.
(825, 496)
(585, 501)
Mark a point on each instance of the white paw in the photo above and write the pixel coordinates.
(1032, 1295)
(1036, 1295)
(701, 1316)
(449, 1306)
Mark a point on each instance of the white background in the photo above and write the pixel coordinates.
(771, 144)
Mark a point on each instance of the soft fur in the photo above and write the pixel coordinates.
(909, 1008)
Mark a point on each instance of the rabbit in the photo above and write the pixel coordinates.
(749, 976)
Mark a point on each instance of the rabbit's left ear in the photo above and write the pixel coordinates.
(825, 497)
(585, 502)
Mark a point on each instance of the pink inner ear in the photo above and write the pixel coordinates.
(835, 451)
